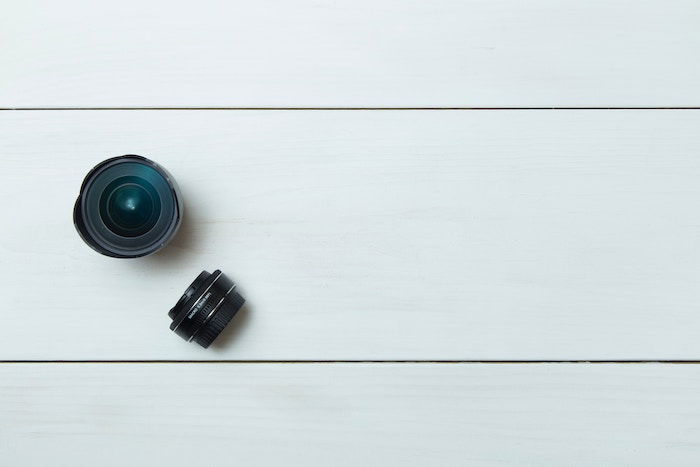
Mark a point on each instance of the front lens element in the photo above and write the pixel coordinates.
(130, 206)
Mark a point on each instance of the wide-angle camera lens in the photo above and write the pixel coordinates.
(128, 206)
(206, 307)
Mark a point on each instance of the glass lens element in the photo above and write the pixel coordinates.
(130, 206)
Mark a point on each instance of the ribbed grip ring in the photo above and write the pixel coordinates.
(228, 309)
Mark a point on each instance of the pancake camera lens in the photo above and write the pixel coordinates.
(206, 307)
(128, 206)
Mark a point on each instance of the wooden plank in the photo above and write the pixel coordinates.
(358, 53)
(210, 414)
(367, 235)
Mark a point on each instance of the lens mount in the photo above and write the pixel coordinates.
(206, 307)
(128, 206)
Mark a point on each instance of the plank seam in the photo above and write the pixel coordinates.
(344, 108)
(302, 362)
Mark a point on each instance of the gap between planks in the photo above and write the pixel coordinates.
(348, 108)
(314, 362)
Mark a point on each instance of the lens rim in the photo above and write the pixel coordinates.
(99, 237)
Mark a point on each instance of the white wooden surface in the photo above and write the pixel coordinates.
(368, 235)
(369, 415)
(358, 235)
(366, 53)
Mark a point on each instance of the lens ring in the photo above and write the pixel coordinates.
(194, 286)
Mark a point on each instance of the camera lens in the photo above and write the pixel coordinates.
(206, 307)
(128, 206)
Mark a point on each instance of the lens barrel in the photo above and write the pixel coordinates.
(206, 307)
(128, 206)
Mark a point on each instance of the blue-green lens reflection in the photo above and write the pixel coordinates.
(130, 206)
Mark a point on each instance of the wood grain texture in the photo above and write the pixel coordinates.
(358, 53)
(367, 235)
(214, 414)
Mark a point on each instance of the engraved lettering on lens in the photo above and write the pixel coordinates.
(199, 305)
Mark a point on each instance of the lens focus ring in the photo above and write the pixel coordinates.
(227, 310)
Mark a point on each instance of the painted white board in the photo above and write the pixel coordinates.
(367, 234)
(357, 53)
(330, 414)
